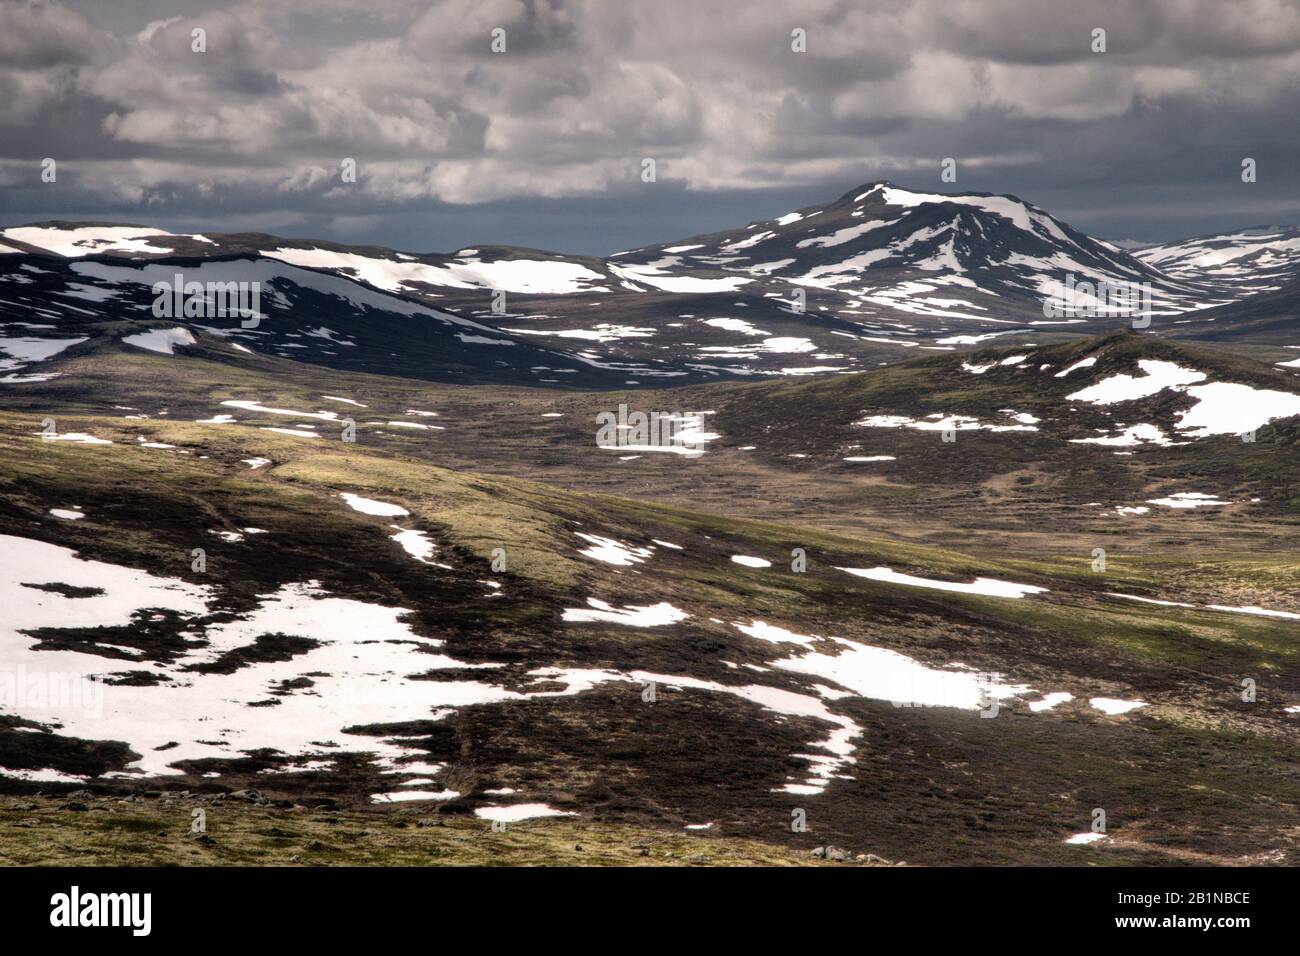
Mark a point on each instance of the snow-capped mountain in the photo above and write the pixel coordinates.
(864, 280)
(1250, 261)
(961, 256)
(49, 306)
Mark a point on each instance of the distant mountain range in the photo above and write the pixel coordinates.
(859, 282)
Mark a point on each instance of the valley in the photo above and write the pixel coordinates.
(931, 594)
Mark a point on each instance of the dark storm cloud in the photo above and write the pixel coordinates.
(542, 145)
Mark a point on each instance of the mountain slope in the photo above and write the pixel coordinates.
(970, 256)
(1251, 261)
(307, 315)
(862, 281)
(866, 280)
(1261, 269)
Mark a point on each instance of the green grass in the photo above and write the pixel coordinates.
(158, 833)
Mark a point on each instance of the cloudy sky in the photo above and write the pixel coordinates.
(542, 145)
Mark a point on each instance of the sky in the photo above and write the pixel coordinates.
(543, 144)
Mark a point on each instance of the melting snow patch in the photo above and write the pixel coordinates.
(1050, 701)
(986, 586)
(256, 462)
(415, 543)
(881, 674)
(259, 407)
(520, 811)
(1225, 408)
(735, 325)
(24, 350)
(751, 562)
(80, 438)
(1126, 388)
(1109, 705)
(1082, 363)
(1133, 435)
(611, 551)
(938, 423)
(1188, 499)
(654, 615)
(67, 514)
(1147, 600)
(1086, 838)
(88, 240)
(398, 796)
(773, 634)
(371, 507)
(358, 660)
(160, 340)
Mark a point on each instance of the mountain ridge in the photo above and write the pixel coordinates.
(866, 279)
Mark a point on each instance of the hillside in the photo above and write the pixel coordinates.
(874, 277)
(650, 659)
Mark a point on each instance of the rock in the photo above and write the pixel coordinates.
(252, 796)
(75, 805)
(577, 847)
(818, 853)
(872, 858)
